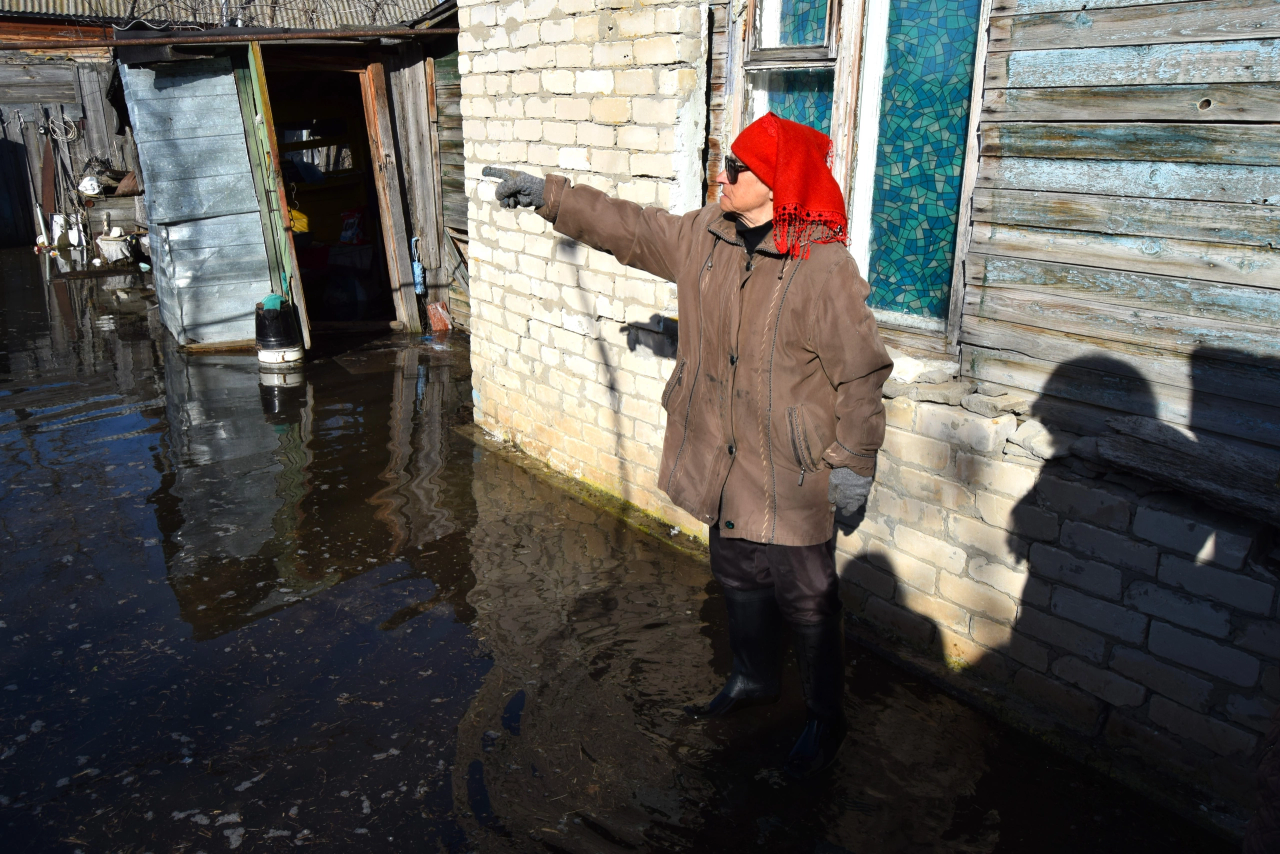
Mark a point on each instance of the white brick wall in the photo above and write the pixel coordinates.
(613, 98)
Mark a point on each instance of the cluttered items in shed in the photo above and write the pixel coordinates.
(329, 183)
(71, 185)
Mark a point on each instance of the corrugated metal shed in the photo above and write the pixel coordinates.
(207, 245)
(317, 14)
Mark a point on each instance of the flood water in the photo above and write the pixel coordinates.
(329, 615)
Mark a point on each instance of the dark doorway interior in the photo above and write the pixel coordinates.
(16, 217)
(324, 151)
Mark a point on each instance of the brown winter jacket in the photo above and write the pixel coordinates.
(778, 372)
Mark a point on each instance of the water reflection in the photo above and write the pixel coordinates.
(248, 610)
(597, 639)
(576, 740)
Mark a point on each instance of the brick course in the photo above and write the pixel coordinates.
(1203, 654)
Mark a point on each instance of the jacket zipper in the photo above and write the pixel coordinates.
(773, 472)
(675, 382)
(793, 426)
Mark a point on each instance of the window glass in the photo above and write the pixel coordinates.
(924, 115)
(800, 94)
(793, 23)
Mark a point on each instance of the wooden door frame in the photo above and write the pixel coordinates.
(386, 174)
(259, 78)
(413, 90)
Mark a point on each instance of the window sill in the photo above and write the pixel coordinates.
(899, 320)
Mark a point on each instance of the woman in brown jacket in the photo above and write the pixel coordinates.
(774, 410)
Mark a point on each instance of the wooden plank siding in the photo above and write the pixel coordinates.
(453, 187)
(1194, 181)
(1179, 23)
(1194, 102)
(1257, 225)
(1236, 144)
(38, 84)
(61, 90)
(1125, 220)
(1190, 297)
(410, 77)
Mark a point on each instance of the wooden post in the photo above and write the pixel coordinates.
(259, 79)
(413, 120)
(386, 173)
(968, 180)
(442, 279)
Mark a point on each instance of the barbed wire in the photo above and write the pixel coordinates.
(200, 14)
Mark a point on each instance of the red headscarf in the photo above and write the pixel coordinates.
(795, 162)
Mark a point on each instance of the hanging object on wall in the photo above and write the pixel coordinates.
(419, 275)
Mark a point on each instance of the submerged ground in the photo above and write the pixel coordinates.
(239, 617)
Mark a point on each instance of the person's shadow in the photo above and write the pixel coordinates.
(1072, 526)
(1125, 538)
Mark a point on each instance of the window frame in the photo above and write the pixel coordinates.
(924, 333)
(842, 53)
(756, 58)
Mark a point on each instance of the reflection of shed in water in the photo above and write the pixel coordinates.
(259, 475)
(227, 459)
(313, 172)
(412, 505)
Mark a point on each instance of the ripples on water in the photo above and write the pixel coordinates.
(243, 617)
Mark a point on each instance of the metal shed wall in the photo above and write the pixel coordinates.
(206, 233)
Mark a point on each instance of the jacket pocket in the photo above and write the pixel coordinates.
(799, 442)
(676, 376)
(806, 442)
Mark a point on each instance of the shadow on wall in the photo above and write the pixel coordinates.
(659, 335)
(1072, 587)
(1109, 595)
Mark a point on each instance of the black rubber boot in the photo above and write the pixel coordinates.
(820, 652)
(754, 623)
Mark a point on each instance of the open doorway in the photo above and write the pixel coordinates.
(330, 185)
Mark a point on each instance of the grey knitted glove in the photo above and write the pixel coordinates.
(848, 490)
(518, 189)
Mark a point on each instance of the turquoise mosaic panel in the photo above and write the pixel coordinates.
(924, 114)
(804, 22)
(800, 95)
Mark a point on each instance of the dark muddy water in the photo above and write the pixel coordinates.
(243, 618)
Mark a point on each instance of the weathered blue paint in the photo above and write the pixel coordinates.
(1184, 23)
(1215, 262)
(1193, 297)
(1035, 7)
(1213, 62)
(209, 254)
(1202, 182)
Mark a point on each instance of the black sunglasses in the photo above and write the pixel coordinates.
(734, 167)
